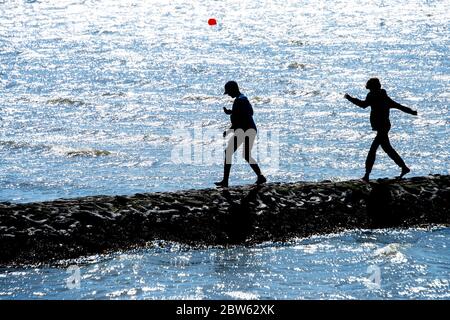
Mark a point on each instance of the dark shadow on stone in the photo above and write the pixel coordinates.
(239, 224)
(380, 204)
(120, 201)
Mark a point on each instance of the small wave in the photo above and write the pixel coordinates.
(297, 42)
(197, 68)
(141, 163)
(10, 144)
(101, 32)
(67, 101)
(290, 92)
(313, 93)
(87, 153)
(209, 123)
(113, 94)
(242, 295)
(296, 65)
(16, 145)
(122, 292)
(390, 249)
(23, 145)
(199, 98)
(261, 100)
(392, 252)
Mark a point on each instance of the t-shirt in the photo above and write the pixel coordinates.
(242, 114)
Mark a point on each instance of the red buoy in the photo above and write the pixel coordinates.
(212, 22)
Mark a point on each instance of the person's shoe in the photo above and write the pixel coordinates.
(261, 179)
(223, 184)
(365, 178)
(405, 170)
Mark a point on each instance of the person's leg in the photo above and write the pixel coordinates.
(231, 148)
(390, 151)
(248, 146)
(247, 153)
(370, 160)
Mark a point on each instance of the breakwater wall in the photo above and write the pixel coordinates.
(70, 228)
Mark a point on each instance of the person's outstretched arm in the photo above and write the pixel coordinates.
(358, 102)
(398, 106)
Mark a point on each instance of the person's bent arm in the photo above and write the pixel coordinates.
(227, 111)
(358, 102)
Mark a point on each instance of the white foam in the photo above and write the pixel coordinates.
(242, 295)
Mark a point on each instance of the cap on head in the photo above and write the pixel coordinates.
(231, 87)
(373, 84)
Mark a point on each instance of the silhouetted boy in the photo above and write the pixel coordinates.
(380, 104)
(244, 132)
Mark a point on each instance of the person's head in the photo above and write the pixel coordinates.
(232, 89)
(373, 84)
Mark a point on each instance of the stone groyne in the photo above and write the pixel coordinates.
(64, 229)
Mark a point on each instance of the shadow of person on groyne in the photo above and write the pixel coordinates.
(239, 223)
(381, 206)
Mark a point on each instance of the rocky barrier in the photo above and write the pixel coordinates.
(63, 229)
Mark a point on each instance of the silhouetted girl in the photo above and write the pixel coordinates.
(380, 104)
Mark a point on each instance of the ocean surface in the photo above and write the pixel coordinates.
(99, 97)
(382, 264)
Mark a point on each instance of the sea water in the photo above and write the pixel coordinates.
(93, 95)
(93, 92)
(382, 264)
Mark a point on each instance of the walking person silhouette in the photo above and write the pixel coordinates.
(244, 131)
(380, 104)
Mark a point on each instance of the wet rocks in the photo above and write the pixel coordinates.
(61, 229)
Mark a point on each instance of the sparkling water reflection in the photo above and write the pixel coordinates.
(413, 264)
(91, 91)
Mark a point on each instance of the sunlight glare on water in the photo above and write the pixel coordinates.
(412, 264)
(92, 91)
